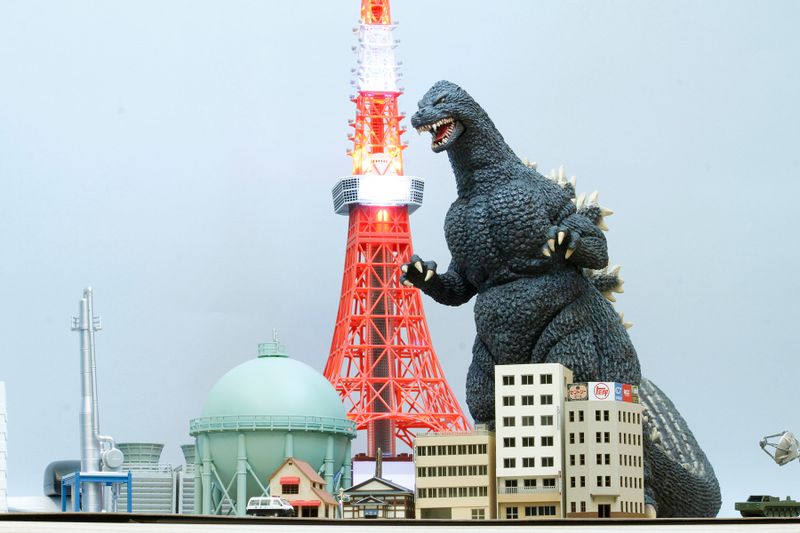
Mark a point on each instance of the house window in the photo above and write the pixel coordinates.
(510, 483)
(509, 442)
(309, 512)
(529, 483)
(530, 510)
(527, 399)
(528, 462)
(549, 482)
(527, 442)
(511, 513)
(478, 514)
(547, 461)
(508, 401)
(508, 421)
(527, 379)
(572, 507)
(547, 420)
(527, 420)
(508, 380)
(546, 379)
(290, 488)
(509, 462)
(583, 507)
(546, 399)
(547, 441)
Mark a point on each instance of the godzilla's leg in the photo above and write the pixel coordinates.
(575, 350)
(480, 384)
(679, 480)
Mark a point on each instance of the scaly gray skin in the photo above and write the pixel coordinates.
(519, 243)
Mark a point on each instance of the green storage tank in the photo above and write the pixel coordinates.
(257, 415)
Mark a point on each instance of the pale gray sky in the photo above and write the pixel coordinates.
(178, 156)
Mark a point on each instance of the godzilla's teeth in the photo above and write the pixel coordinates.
(418, 266)
(546, 251)
(568, 253)
(429, 274)
(561, 236)
(602, 225)
(552, 244)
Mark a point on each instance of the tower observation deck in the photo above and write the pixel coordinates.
(382, 361)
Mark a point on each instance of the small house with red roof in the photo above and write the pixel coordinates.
(298, 482)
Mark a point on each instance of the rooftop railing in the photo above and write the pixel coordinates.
(217, 424)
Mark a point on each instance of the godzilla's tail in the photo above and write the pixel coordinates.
(679, 480)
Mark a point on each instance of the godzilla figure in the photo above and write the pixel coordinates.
(535, 257)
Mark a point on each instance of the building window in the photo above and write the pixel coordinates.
(583, 459)
(606, 437)
(482, 449)
(583, 481)
(572, 416)
(580, 415)
(549, 482)
(546, 399)
(508, 401)
(510, 483)
(527, 420)
(478, 514)
(529, 483)
(527, 399)
(572, 507)
(528, 462)
(608, 481)
(546, 379)
(580, 437)
(421, 471)
(527, 379)
(597, 415)
(608, 458)
(583, 507)
(292, 488)
(605, 415)
(509, 442)
(572, 438)
(309, 512)
(527, 442)
(547, 441)
(598, 459)
(511, 513)
(572, 482)
(508, 421)
(530, 510)
(509, 462)
(420, 451)
(572, 460)
(508, 380)
(599, 481)
(547, 461)
(547, 420)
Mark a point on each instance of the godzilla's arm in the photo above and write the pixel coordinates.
(587, 242)
(450, 288)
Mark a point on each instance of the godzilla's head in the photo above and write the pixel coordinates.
(446, 111)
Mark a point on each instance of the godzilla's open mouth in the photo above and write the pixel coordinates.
(444, 131)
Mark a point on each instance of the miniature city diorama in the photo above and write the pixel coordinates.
(564, 425)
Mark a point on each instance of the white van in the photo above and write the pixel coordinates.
(269, 506)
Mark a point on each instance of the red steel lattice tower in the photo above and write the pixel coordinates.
(382, 361)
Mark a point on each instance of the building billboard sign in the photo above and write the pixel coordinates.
(577, 392)
(618, 392)
(602, 391)
(626, 393)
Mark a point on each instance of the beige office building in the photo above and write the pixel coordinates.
(529, 402)
(455, 475)
(603, 433)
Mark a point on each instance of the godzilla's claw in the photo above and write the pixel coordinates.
(568, 253)
(572, 245)
(422, 272)
(546, 251)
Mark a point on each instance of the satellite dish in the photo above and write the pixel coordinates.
(786, 450)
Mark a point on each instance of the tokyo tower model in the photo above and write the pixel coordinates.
(382, 361)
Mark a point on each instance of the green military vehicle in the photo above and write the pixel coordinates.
(768, 506)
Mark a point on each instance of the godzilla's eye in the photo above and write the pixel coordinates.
(440, 100)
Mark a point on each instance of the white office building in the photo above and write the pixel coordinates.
(529, 402)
